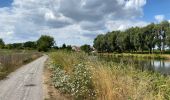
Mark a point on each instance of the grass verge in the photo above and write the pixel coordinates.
(85, 77)
(141, 56)
(10, 62)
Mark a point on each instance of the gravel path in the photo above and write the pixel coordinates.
(25, 83)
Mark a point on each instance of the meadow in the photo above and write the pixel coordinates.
(10, 60)
(85, 77)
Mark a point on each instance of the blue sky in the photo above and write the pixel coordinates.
(156, 7)
(75, 22)
(5, 3)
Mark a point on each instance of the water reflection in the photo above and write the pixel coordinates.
(154, 65)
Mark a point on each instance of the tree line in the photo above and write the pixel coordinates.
(44, 43)
(136, 39)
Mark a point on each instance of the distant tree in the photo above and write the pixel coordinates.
(2, 44)
(120, 42)
(150, 37)
(165, 25)
(45, 42)
(16, 46)
(69, 48)
(168, 37)
(8, 46)
(55, 47)
(64, 46)
(99, 43)
(86, 48)
(30, 45)
(135, 39)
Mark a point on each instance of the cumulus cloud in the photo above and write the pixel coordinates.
(160, 18)
(124, 24)
(69, 21)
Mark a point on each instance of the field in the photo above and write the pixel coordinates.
(10, 60)
(85, 77)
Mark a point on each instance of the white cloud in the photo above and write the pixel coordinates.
(70, 21)
(124, 24)
(160, 18)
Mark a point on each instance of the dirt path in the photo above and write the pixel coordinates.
(25, 83)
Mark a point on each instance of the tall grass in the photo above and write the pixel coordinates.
(86, 77)
(11, 61)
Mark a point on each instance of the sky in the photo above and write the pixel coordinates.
(75, 22)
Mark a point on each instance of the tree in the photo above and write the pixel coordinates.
(86, 48)
(168, 37)
(14, 46)
(135, 39)
(45, 42)
(64, 46)
(69, 48)
(164, 29)
(111, 41)
(141, 40)
(120, 42)
(2, 44)
(100, 43)
(129, 39)
(30, 45)
(150, 37)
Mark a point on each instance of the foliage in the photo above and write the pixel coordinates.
(86, 48)
(78, 84)
(30, 45)
(45, 42)
(66, 47)
(61, 80)
(86, 77)
(135, 39)
(2, 44)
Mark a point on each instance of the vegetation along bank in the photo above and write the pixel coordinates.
(86, 77)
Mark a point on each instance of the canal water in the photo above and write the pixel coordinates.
(154, 65)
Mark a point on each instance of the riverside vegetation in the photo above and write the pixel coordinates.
(86, 77)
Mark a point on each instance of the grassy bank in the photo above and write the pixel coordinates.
(11, 61)
(148, 56)
(85, 77)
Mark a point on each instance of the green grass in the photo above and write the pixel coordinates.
(11, 60)
(86, 77)
(142, 56)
